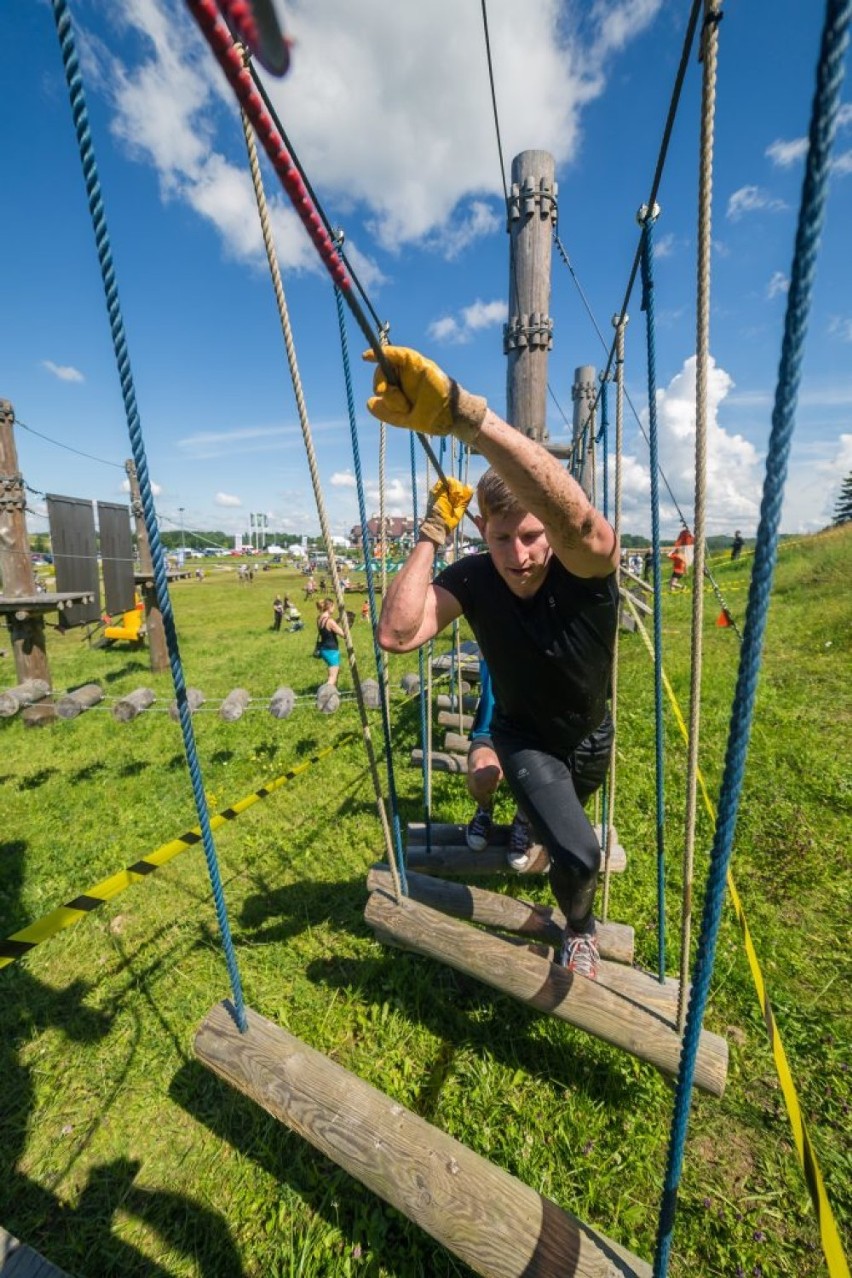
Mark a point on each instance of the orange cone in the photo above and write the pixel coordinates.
(724, 618)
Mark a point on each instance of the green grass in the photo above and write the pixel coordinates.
(124, 1156)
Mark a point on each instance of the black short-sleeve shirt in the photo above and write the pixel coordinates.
(550, 656)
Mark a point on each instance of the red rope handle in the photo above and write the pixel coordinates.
(230, 59)
(255, 24)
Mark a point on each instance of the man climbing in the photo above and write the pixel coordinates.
(543, 605)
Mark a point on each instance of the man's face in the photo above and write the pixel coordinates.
(519, 550)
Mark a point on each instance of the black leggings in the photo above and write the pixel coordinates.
(551, 789)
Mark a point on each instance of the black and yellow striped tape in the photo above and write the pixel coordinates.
(829, 1235)
(72, 912)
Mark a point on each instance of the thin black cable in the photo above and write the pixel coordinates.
(564, 255)
(494, 106)
(658, 172)
(68, 447)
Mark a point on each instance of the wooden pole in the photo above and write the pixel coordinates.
(583, 394)
(528, 335)
(157, 649)
(494, 1223)
(16, 570)
(614, 1017)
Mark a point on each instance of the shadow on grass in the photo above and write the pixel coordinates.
(81, 1238)
(130, 667)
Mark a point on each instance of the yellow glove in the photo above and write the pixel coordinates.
(447, 503)
(426, 399)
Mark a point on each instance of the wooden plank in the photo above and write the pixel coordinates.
(445, 702)
(495, 909)
(17, 1260)
(450, 719)
(450, 854)
(494, 1223)
(614, 1017)
(441, 762)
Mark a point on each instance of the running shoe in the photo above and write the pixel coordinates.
(478, 830)
(580, 954)
(520, 842)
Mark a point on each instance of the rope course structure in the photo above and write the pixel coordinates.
(489, 1219)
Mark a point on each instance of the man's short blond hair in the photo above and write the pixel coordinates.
(495, 497)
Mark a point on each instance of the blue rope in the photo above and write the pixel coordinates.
(653, 440)
(371, 592)
(99, 225)
(811, 213)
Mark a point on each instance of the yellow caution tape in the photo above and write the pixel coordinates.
(831, 1245)
(71, 912)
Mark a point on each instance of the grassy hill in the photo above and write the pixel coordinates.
(126, 1157)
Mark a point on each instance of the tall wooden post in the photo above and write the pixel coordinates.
(583, 394)
(528, 336)
(16, 569)
(159, 655)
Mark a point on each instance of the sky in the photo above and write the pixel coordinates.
(389, 110)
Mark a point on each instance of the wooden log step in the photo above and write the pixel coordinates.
(441, 762)
(461, 862)
(194, 699)
(133, 704)
(25, 694)
(79, 700)
(450, 719)
(450, 854)
(614, 1017)
(495, 909)
(469, 666)
(234, 706)
(455, 743)
(494, 1223)
(445, 702)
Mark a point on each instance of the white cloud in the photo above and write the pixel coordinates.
(405, 134)
(470, 320)
(751, 199)
(844, 115)
(65, 372)
(248, 439)
(785, 153)
(343, 479)
(842, 164)
(665, 245)
(226, 499)
(815, 474)
(778, 285)
(840, 326)
(734, 473)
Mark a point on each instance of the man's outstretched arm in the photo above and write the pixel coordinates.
(427, 400)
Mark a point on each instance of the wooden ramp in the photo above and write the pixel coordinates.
(17, 1260)
(611, 1012)
(532, 922)
(494, 1223)
(448, 853)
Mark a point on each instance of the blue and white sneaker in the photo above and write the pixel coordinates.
(478, 830)
(520, 842)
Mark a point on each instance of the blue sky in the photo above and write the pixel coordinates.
(389, 110)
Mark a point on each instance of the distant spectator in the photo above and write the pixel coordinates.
(648, 565)
(678, 569)
(277, 612)
(737, 545)
(365, 611)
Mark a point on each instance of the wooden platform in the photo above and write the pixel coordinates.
(494, 1223)
(17, 1260)
(620, 1014)
(530, 921)
(449, 854)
